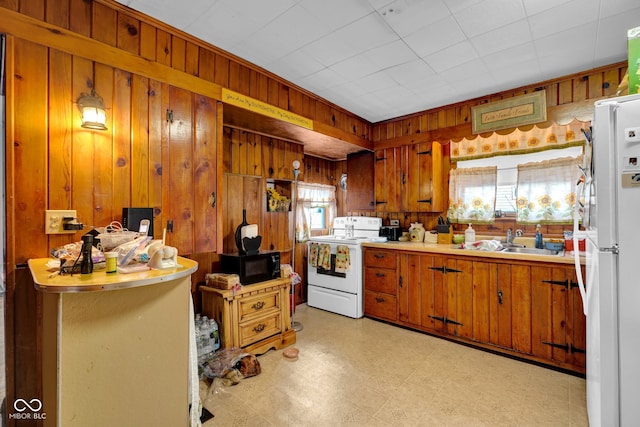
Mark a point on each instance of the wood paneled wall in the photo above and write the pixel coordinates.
(118, 26)
(567, 97)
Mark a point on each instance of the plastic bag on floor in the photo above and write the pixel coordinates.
(231, 364)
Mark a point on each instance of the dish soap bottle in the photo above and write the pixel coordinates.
(539, 244)
(469, 235)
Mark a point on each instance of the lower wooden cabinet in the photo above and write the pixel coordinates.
(256, 317)
(531, 310)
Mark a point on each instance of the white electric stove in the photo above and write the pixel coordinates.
(337, 289)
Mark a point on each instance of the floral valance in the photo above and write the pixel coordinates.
(522, 140)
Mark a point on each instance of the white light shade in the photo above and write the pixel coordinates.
(296, 164)
(93, 112)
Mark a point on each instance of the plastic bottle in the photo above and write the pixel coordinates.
(539, 241)
(469, 235)
(214, 334)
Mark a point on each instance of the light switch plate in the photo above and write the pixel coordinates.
(53, 221)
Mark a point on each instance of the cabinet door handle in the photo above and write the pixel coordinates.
(258, 305)
(379, 256)
(499, 297)
(378, 299)
(379, 274)
(401, 281)
(259, 328)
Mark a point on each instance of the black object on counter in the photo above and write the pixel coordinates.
(86, 266)
(239, 232)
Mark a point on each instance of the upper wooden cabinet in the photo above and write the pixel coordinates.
(410, 178)
(360, 189)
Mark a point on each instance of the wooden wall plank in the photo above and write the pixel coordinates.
(104, 23)
(140, 141)
(62, 112)
(122, 180)
(128, 34)
(103, 186)
(192, 57)
(82, 151)
(206, 65)
(163, 48)
(33, 8)
(80, 17)
(156, 89)
(30, 149)
(221, 73)
(58, 13)
(148, 41)
(178, 53)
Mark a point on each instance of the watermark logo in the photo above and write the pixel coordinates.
(27, 410)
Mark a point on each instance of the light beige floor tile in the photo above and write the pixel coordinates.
(360, 372)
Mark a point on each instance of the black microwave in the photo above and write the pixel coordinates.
(252, 268)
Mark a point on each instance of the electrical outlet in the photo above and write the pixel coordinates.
(53, 221)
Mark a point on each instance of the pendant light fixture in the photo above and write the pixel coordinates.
(92, 110)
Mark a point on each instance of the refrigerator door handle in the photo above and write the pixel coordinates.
(576, 257)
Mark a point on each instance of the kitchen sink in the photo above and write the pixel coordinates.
(534, 251)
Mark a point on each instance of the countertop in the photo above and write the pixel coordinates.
(50, 281)
(450, 249)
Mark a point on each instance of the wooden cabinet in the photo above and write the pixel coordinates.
(409, 178)
(360, 175)
(190, 172)
(256, 317)
(388, 179)
(424, 183)
(528, 309)
(556, 315)
(381, 281)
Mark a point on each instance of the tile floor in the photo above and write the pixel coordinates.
(366, 373)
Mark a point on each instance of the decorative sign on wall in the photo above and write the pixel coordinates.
(509, 113)
(248, 103)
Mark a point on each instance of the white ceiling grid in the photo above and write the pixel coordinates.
(382, 59)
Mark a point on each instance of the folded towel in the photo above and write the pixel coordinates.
(313, 255)
(324, 256)
(343, 261)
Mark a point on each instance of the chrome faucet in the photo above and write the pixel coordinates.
(509, 239)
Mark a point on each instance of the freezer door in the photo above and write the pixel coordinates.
(602, 338)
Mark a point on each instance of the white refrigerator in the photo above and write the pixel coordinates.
(611, 292)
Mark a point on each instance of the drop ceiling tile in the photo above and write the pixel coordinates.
(337, 13)
(298, 64)
(458, 5)
(502, 38)
(413, 72)
(451, 56)
(533, 7)
(366, 33)
(289, 31)
(611, 43)
(408, 16)
(355, 67)
(172, 11)
(330, 49)
(389, 55)
(510, 58)
(615, 7)
(566, 16)
(259, 11)
(488, 15)
(435, 37)
(223, 27)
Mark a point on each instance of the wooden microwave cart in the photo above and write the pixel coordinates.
(255, 317)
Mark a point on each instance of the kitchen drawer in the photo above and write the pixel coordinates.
(380, 259)
(380, 280)
(380, 305)
(258, 305)
(258, 329)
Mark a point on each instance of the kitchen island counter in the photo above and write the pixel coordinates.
(115, 347)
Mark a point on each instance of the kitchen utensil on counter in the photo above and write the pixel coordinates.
(416, 232)
(239, 232)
